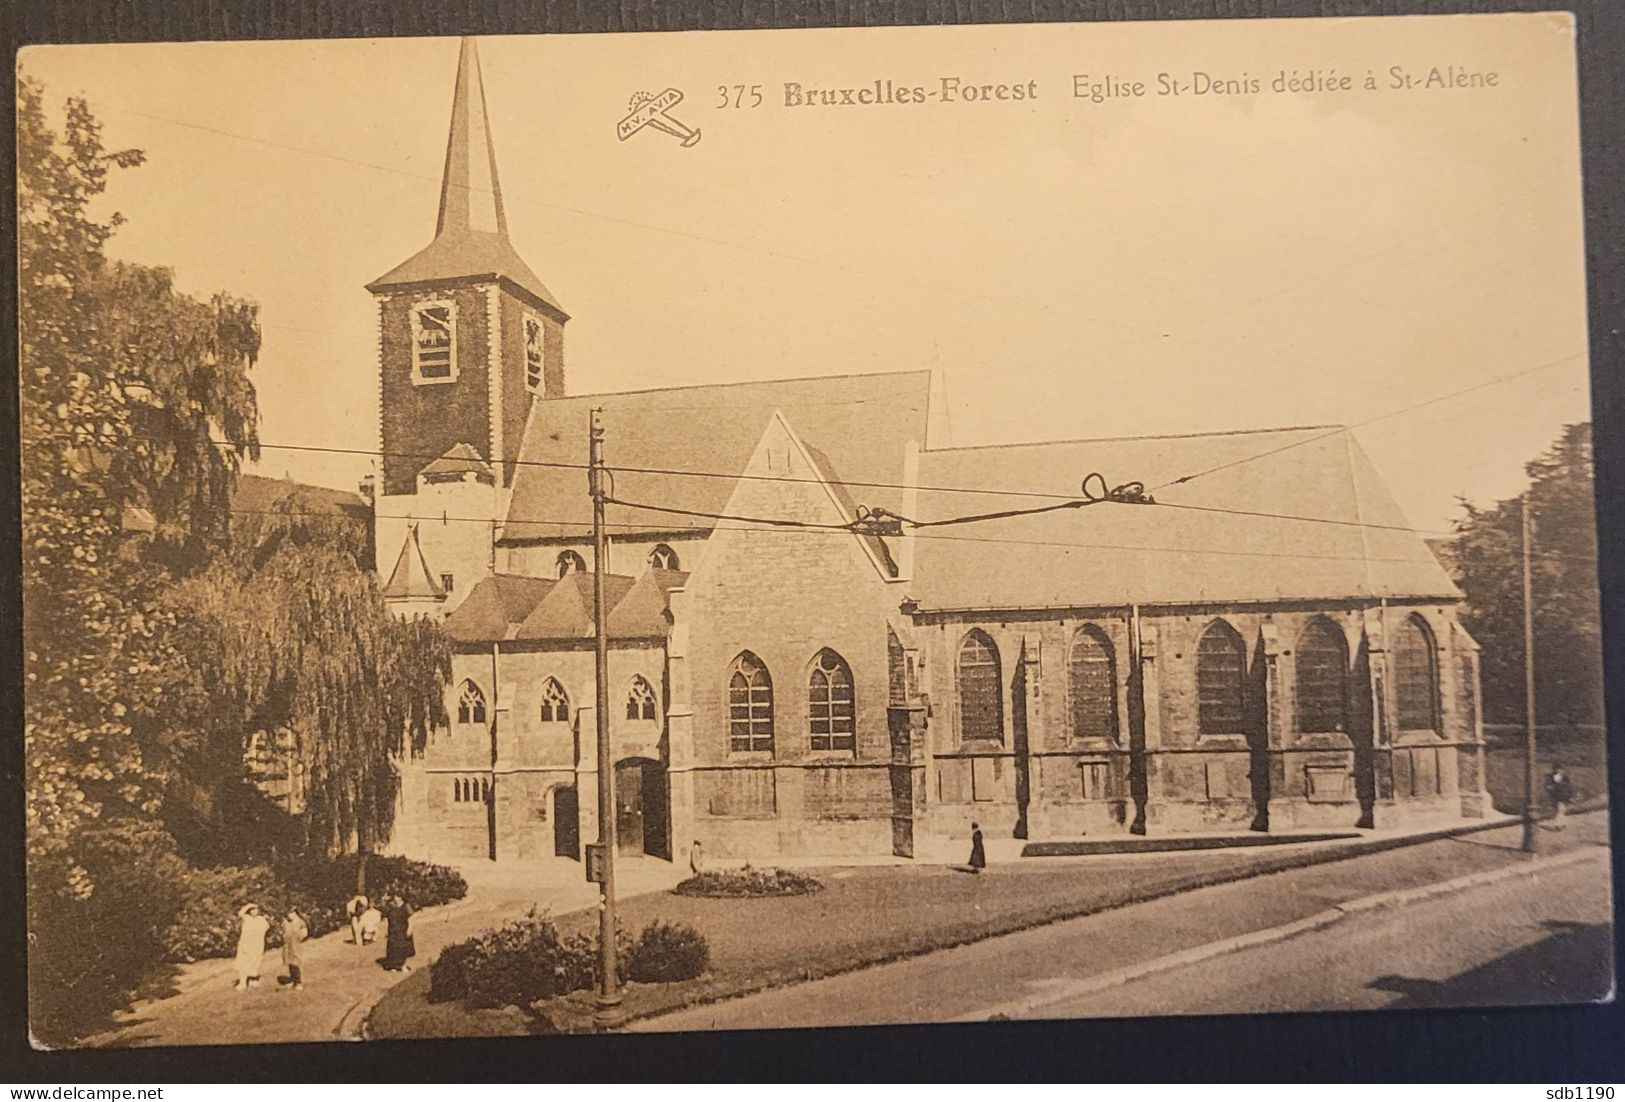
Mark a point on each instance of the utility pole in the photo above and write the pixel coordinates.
(1528, 684)
(608, 1014)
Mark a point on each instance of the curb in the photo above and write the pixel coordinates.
(1317, 921)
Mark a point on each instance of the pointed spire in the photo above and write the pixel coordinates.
(471, 234)
(470, 195)
(411, 580)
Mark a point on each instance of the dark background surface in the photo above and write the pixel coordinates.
(1575, 1045)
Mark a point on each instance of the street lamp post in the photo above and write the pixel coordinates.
(1528, 682)
(608, 1013)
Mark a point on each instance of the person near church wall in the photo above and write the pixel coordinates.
(250, 944)
(294, 932)
(978, 855)
(369, 922)
(696, 858)
(398, 944)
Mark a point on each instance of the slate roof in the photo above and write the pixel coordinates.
(510, 606)
(857, 426)
(1111, 555)
(411, 577)
(252, 493)
(471, 233)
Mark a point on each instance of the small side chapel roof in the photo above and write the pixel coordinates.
(411, 578)
(460, 459)
(511, 606)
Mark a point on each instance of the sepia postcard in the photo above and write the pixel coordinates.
(800, 528)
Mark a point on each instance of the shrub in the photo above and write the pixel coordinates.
(514, 964)
(528, 960)
(206, 924)
(748, 882)
(667, 952)
(88, 950)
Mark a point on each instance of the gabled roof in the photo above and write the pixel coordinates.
(860, 426)
(411, 578)
(495, 606)
(642, 613)
(1112, 555)
(252, 493)
(567, 610)
(459, 460)
(508, 606)
(471, 233)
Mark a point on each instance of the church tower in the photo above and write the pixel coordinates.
(468, 338)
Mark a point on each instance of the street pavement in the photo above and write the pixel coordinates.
(1034, 969)
(343, 980)
(1541, 937)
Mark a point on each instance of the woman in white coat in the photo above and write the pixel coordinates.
(250, 945)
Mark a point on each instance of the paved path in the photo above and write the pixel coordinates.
(342, 980)
(984, 977)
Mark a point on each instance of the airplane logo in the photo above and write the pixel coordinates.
(650, 110)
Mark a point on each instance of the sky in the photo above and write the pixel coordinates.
(1141, 265)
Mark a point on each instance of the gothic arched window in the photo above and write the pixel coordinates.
(981, 701)
(663, 558)
(750, 705)
(470, 704)
(1416, 676)
(640, 700)
(1323, 662)
(831, 708)
(569, 562)
(555, 702)
(1092, 681)
(1221, 681)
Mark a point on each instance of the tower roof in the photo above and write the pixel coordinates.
(411, 580)
(471, 232)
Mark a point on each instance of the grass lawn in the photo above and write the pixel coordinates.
(1581, 754)
(864, 916)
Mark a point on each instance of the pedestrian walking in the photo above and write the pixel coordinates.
(371, 919)
(978, 855)
(398, 944)
(294, 932)
(250, 944)
(1560, 793)
(355, 909)
(696, 858)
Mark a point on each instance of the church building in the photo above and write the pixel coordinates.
(1269, 646)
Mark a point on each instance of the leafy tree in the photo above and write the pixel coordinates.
(1567, 617)
(124, 386)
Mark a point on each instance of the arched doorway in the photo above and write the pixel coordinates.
(642, 809)
(566, 823)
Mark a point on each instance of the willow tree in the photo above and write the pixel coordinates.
(298, 638)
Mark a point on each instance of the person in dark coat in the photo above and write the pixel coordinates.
(398, 944)
(978, 855)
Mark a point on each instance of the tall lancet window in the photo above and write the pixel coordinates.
(434, 329)
(981, 700)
